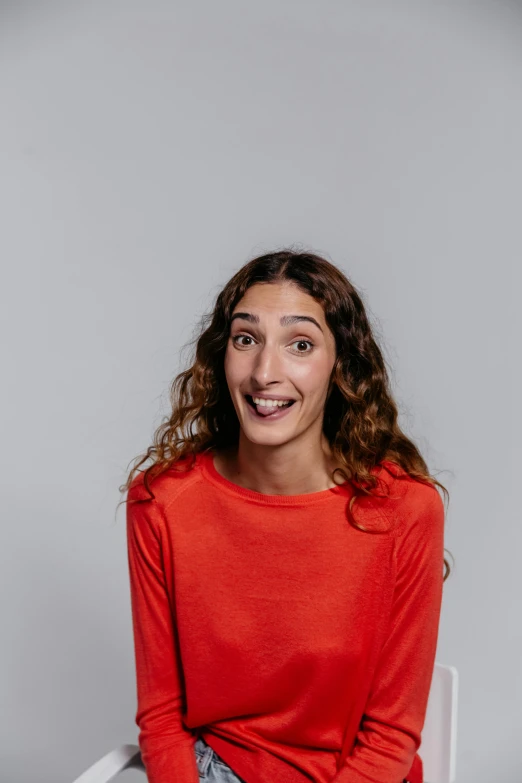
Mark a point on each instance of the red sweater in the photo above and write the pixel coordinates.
(299, 647)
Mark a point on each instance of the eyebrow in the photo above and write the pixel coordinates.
(285, 320)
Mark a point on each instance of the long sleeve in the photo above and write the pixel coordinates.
(390, 730)
(167, 747)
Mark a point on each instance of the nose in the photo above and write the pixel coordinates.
(267, 367)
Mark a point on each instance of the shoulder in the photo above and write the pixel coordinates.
(164, 488)
(408, 499)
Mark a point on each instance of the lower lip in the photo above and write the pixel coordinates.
(273, 416)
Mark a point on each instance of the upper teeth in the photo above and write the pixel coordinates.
(269, 403)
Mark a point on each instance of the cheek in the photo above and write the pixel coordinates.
(312, 376)
(233, 368)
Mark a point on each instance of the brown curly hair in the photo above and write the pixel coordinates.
(360, 418)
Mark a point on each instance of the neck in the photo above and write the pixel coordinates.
(289, 469)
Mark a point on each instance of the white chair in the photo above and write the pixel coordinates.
(438, 748)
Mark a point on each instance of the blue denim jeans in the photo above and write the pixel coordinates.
(211, 768)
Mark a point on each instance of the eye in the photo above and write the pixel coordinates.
(310, 343)
(238, 337)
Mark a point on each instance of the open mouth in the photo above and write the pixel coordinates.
(267, 410)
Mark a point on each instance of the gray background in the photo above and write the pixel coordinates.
(147, 150)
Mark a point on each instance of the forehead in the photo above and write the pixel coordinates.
(279, 299)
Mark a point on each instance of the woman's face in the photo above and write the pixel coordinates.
(278, 358)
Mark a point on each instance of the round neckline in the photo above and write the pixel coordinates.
(212, 473)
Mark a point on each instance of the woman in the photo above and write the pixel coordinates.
(285, 548)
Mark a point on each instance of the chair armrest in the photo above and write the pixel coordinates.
(112, 764)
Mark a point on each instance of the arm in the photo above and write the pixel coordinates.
(390, 730)
(167, 747)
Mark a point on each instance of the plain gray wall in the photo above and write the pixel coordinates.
(147, 150)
